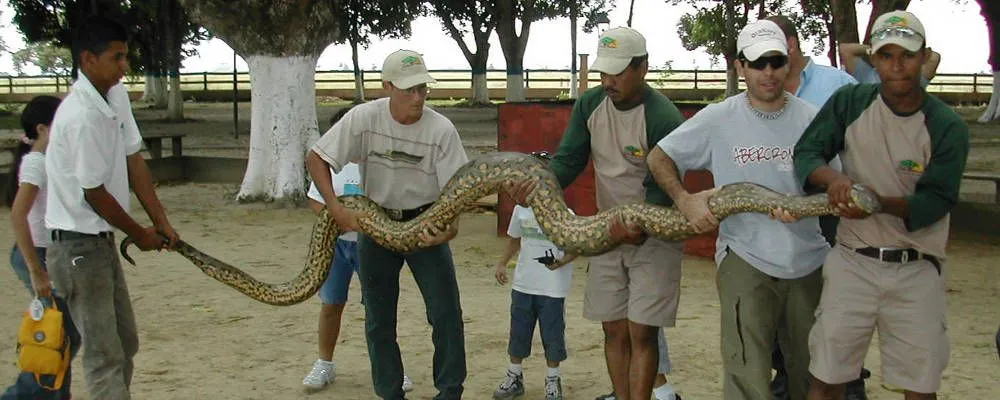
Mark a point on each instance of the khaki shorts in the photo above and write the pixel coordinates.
(638, 283)
(905, 302)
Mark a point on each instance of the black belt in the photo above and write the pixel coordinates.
(898, 255)
(59, 235)
(405, 215)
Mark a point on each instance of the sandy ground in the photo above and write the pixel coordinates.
(200, 339)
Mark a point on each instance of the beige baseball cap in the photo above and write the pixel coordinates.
(760, 37)
(898, 27)
(405, 69)
(616, 48)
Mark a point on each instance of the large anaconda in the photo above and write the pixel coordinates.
(581, 235)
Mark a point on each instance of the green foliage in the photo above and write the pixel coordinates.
(49, 58)
(361, 20)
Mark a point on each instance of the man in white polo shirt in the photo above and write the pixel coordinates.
(406, 153)
(93, 156)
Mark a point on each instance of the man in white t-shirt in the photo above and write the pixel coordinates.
(406, 153)
(93, 157)
(542, 279)
(769, 277)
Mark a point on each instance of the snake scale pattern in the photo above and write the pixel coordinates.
(580, 235)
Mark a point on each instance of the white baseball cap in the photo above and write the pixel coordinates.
(616, 48)
(898, 27)
(760, 37)
(405, 69)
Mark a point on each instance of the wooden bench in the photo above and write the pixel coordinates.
(981, 176)
(154, 143)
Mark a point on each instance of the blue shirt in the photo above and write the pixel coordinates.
(818, 82)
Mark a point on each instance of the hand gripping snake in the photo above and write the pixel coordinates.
(579, 235)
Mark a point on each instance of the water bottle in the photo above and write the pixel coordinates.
(36, 309)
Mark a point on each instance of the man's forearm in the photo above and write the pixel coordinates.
(142, 184)
(319, 170)
(666, 174)
(105, 205)
(823, 176)
(896, 206)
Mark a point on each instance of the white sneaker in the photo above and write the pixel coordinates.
(322, 373)
(407, 383)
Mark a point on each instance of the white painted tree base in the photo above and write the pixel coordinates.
(515, 87)
(282, 126)
(175, 100)
(480, 91)
(155, 91)
(993, 110)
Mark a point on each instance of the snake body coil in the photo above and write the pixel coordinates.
(580, 235)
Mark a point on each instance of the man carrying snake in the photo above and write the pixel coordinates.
(886, 271)
(406, 153)
(769, 274)
(634, 289)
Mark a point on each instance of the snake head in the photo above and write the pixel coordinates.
(866, 199)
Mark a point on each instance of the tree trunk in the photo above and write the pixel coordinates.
(993, 109)
(480, 89)
(513, 44)
(281, 41)
(359, 81)
(147, 90)
(175, 103)
(845, 21)
(160, 92)
(732, 78)
(631, 9)
(991, 13)
(283, 111)
(572, 46)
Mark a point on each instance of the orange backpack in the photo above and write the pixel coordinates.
(43, 346)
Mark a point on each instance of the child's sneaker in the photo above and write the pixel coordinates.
(511, 387)
(407, 384)
(553, 388)
(322, 373)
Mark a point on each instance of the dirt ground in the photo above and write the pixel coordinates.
(200, 339)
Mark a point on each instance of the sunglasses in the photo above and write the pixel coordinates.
(891, 32)
(762, 62)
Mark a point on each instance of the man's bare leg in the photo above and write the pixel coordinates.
(617, 354)
(645, 355)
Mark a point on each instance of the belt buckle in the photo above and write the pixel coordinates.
(905, 257)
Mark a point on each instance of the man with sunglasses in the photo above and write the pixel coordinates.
(815, 84)
(885, 272)
(406, 153)
(769, 274)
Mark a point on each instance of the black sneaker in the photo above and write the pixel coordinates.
(512, 387)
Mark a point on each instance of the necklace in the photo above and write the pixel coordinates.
(767, 115)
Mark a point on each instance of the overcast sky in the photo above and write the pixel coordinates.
(958, 32)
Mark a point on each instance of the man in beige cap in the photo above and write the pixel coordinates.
(406, 153)
(634, 289)
(886, 271)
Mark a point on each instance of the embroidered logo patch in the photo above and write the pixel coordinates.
(609, 42)
(409, 61)
(911, 166)
(896, 21)
(633, 153)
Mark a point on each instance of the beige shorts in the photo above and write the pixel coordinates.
(638, 283)
(905, 302)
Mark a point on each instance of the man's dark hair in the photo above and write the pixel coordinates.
(786, 25)
(95, 35)
(637, 61)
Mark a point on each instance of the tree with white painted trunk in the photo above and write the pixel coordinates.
(460, 18)
(511, 13)
(281, 41)
(363, 19)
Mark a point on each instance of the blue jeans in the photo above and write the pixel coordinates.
(549, 313)
(26, 387)
(338, 281)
